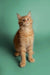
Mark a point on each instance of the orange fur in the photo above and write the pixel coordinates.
(24, 38)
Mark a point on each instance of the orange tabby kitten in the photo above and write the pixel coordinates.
(23, 40)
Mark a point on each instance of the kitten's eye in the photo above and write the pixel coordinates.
(27, 18)
(23, 19)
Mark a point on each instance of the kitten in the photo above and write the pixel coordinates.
(24, 38)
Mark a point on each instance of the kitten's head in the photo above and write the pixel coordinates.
(25, 20)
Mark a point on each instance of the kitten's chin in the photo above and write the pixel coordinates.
(26, 24)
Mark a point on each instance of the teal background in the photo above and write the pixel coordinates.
(40, 10)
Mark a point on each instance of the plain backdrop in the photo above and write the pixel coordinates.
(40, 12)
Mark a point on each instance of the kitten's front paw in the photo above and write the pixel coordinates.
(22, 64)
(31, 60)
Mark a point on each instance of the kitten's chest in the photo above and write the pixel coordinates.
(26, 36)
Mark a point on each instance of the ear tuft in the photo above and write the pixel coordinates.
(18, 16)
(29, 14)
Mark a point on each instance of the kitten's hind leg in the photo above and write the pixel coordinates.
(16, 53)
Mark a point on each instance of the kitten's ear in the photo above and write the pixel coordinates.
(18, 16)
(29, 14)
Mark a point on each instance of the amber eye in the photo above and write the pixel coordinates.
(23, 19)
(27, 18)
